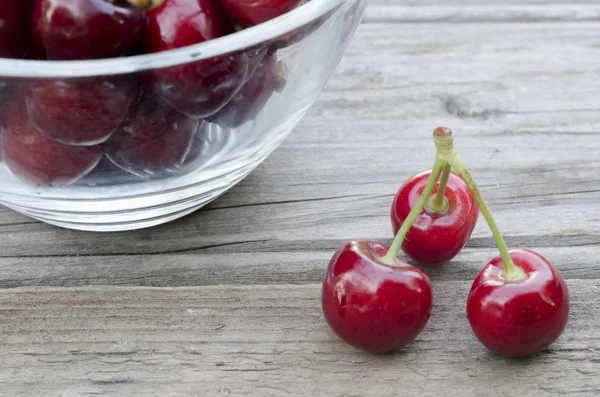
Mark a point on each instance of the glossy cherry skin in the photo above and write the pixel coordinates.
(373, 306)
(40, 161)
(87, 29)
(523, 317)
(15, 35)
(79, 112)
(435, 238)
(153, 139)
(254, 12)
(246, 104)
(198, 89)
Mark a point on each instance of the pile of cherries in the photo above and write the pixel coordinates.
(54, 131)
(518, 304)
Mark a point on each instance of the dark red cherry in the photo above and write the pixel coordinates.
(520, 317)
(15, 33)
(179, 23)
(36, 52)
(372, 305)
(198, 89)
(268, 78)
(79, 112)
(87, 29)
(255, 57)
(253, 12)
(153, 139)
(435, 238)
(38, 160)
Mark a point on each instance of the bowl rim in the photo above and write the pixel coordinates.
(300, 16)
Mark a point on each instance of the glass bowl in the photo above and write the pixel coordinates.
(127, 143)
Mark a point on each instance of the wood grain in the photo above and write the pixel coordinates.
(267, 341)
(226, 300)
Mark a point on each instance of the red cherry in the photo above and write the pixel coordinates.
(36, 52)
(522, 317)
(87, 29)
(15, 36)
(253, 96)
(198, 89)
(179, 23)
(255, 56)
(371, 305)
(79, 112)
(435, 238)
(252, 12)
(38, 160)
(153, 139)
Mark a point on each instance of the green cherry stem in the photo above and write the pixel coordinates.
(438, 203)
(444, 143)
(392, 254)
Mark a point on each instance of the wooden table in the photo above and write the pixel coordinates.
(226, 301)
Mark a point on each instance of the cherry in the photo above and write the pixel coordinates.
(36, 52)
(444, 226)
(371, 298)
(38, 160)
(15, 36)
(255, 56)
(198, 89)
(79, 112)
(87, 29)
(252, 12)
(373, 304)
(523, 316)
(179, 23)
(153, 139)
(519, 303)
(267, 79)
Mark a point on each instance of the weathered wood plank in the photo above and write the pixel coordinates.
(296, 262)
(514, 12)
(267, 341)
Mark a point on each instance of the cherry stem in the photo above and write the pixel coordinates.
(392, 254)
(438, 203)
(145, 4)
(445, 146)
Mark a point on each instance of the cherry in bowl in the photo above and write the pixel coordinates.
(153, 139)
(446, 222)
(252, 12)
(268, 78)
(38, 160)
(201, 88)
(87, 29)
(15, 35)
(79, 111)
(371, 304)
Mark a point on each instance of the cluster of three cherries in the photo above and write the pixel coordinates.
(518, 304)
